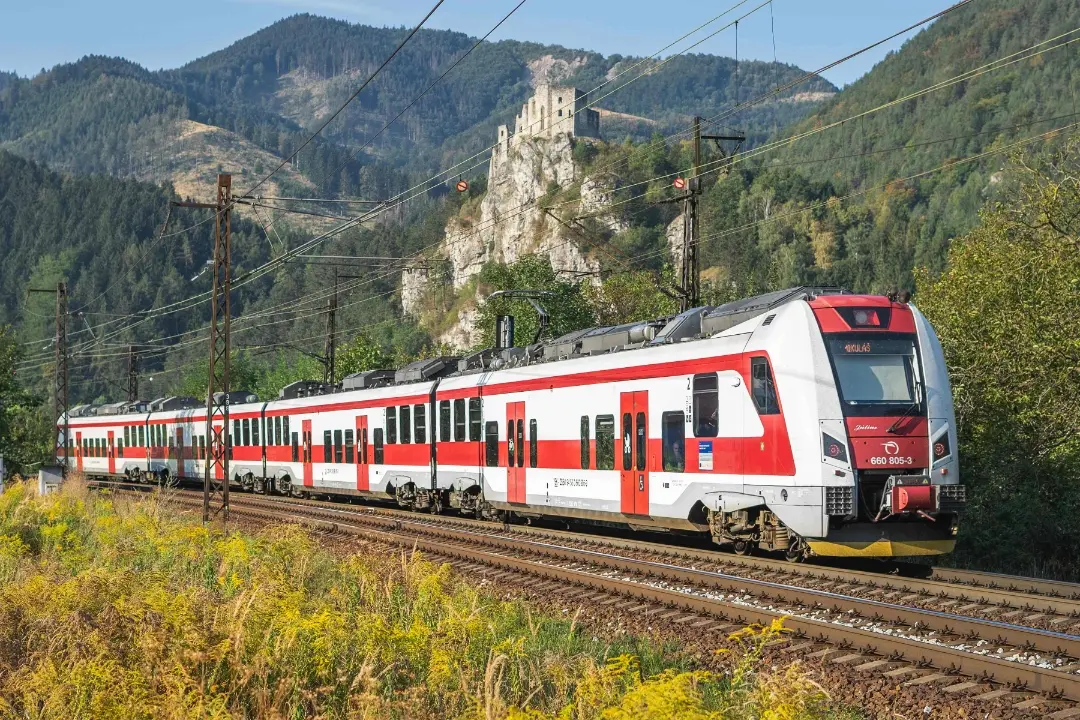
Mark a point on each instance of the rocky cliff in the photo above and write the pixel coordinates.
(511, 222)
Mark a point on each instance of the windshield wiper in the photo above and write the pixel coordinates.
(910, 408)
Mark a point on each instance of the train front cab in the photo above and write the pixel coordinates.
(896, 433)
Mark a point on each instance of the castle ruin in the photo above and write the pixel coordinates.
(550, 111)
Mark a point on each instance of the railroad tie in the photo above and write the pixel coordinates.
(796, 648)
(846, 659)
(931, 678)
(1030, 703)
(686, 619)
(902, 671)
(872, 665)
(969, 607)
(993, 695)
(1066, 713)
(822, 653)
(961, 687)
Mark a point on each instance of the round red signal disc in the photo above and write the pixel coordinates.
(679, 183)
(939, 449)
(462, 186)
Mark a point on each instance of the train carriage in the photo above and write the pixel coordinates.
(808, 421)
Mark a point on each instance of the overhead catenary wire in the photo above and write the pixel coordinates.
(254, 274)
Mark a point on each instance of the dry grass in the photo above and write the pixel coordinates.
(112, 608)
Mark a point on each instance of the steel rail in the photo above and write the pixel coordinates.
(881, 651)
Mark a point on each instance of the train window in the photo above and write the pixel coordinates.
(475, 418)
(377, 437)
(120, 448)
(605, 442)
(361, 449)
(337, 447)
(459, 420)
(237, 434)
(295, 448)
(142, 437)
(327, 447)
(706, 405)
(277, 431)
(202, 447)
(420, 420)
(627, 434)
(584, 445)
(391, 425)
(642, 440)
(763, 389)
(284, 430)
(405, 416)
(521, 443)
(491, 441)
(444, 421)
(532, 443)
(673, 427)
(126, 431)
(246, 427)
(349, 449)
(255, 432)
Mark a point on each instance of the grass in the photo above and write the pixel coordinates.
(116, 608)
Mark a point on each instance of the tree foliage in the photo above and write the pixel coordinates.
(1006, 310)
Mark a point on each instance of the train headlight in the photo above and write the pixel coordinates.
(833, 448)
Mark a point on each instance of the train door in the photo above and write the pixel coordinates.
(309, 471)
(515, 452)
(180, 453)
(111, 453)
(634, 463)
(362, 477)
(215, 451)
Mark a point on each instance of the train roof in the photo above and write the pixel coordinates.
(694, 324)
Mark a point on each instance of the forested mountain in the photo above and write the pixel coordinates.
(109, 115)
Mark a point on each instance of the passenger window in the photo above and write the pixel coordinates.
(285, 429)
(627, 442)
(405, 416)
(532, 443)
(327, 447)
(459, 420)
(584, 442)
(763, 387)
(491, 441)
(706, 405)
(605, 442)
(391, 425)
(247, 432)
(521, 443)
(377, 437)
(475, 418)
(444, 421)
(673, 426)
(295, 448)
(361, 449)
(338, 448)
(142, 437)
(237, 436)
(420, 418)
(642, 440)
(255, 431)
(349, 454)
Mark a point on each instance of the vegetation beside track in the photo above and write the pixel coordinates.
(116, 607)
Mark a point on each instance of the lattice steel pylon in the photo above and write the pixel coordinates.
(216, 480)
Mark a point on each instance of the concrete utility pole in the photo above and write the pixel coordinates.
(216, 479)
(60, 376)
(133, 374)
(330, 347)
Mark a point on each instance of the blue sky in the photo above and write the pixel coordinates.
(42, 33)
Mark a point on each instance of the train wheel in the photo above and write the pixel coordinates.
(742, 547)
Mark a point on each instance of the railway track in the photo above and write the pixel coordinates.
(984, 661)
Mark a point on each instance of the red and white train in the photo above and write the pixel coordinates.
(807, 421)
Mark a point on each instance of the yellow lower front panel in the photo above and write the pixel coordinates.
(882, 547)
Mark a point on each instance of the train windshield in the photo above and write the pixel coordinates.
(875, 370)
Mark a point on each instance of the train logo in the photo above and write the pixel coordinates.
(891, 447)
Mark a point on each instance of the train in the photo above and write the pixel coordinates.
(810, 421)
